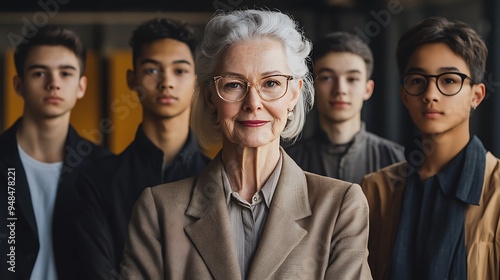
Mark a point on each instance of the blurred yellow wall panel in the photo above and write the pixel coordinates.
(125, 111)
(86, 115)
(13, 106)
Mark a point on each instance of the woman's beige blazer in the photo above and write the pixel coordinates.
(317, 228)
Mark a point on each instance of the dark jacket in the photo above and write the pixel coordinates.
(80, 154)
(108, 193)
(367, 153)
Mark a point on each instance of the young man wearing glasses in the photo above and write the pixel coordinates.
(341, 147)
(436, 216)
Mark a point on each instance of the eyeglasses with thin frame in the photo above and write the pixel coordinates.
(448, 83)
(234, 89)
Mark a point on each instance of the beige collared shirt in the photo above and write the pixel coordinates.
(247, 219)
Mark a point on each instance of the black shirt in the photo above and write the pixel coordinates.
(108, 193)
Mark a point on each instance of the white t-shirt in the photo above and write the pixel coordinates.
(43, 179)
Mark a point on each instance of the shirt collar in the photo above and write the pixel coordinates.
(268, 188)
(152, 152)
(357, 140)
(463, 176)
(468, 168)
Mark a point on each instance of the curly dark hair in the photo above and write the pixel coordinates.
(161, 28)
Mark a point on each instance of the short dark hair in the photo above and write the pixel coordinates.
(343, 42)
(458, 36)
(161, 28)
(50, 36)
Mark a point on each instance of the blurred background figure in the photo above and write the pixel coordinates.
(341, 147)
(164, 148)
(44, 155)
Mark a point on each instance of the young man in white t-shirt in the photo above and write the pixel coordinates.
(42, 154)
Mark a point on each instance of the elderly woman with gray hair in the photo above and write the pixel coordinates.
(253, 213)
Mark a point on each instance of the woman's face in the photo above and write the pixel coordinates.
(252, 121)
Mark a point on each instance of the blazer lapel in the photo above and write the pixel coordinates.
(23, 200)
(211, 234)
(282, 233)
(12, 159)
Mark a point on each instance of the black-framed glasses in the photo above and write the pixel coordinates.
(234, 89)
(448, 83)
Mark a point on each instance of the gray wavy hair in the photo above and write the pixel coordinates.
(227, 29)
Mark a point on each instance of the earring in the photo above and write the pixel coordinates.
(290, 114)
(474, 107)
(214, 118)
